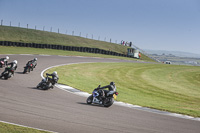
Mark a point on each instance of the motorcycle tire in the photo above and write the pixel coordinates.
(29, 69)
(38, 86)
(89, 99)
(25, 70)
(108, 102)
(44, 87)
(5, 77)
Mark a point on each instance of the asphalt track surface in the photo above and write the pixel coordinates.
(60, 111)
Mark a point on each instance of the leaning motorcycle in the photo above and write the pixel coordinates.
(106, 101)
(45, 84)
(28, 68)
(8, 74)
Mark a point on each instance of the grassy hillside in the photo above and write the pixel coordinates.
(16, 34)
(24, 35)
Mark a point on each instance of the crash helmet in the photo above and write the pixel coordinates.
(7, 57)
(55, 73)
(112, 83)
(35, 59)
(15, 61)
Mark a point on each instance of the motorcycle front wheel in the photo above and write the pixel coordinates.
(89, 99)
(44, 87)
(7, 75)
(38, 86)
(25, 70)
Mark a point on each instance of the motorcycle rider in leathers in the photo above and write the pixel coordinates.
(5, 60)
(13, 66)
(34, 62)
(101, 91)
(54, 78)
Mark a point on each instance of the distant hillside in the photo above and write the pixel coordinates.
(175, 53)
(175, 57)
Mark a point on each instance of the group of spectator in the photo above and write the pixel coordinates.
(126, 43)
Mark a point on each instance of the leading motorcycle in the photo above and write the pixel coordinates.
(105, 98)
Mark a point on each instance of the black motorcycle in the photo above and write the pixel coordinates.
(45, 84)
(2, 64)
(103, 97)
(28, 68)
(8, 74)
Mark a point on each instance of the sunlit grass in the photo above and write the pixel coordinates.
(166, 87)
(9, 128)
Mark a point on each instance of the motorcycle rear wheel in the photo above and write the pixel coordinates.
(108, 102)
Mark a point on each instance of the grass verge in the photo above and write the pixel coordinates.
(24, 50)
(165, 87)
(9, 128)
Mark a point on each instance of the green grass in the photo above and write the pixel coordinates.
(25, 50)
(9, 128)
(16, 34)
(165, 87)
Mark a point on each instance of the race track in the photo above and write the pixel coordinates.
(59, 111)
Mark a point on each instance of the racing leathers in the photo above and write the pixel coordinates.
(54, 78)
(33, 62)
(101, 90)
(13, 66)
(5, 60)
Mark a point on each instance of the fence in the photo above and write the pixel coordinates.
(62, 47)
(56, 30)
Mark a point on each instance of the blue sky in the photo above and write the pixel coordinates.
(172, 25)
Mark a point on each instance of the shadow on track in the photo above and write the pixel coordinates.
(35, 88)
(96, 105)
(19, 72)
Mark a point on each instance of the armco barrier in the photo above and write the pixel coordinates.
(61, 47)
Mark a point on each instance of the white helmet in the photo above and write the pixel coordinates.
(7, 57)
(35, 59)
(15, 61)
(55, 73)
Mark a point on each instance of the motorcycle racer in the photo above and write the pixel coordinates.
(5, 60)
(34, 62)
(13, 66)
(100, 91)
(54, 78)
